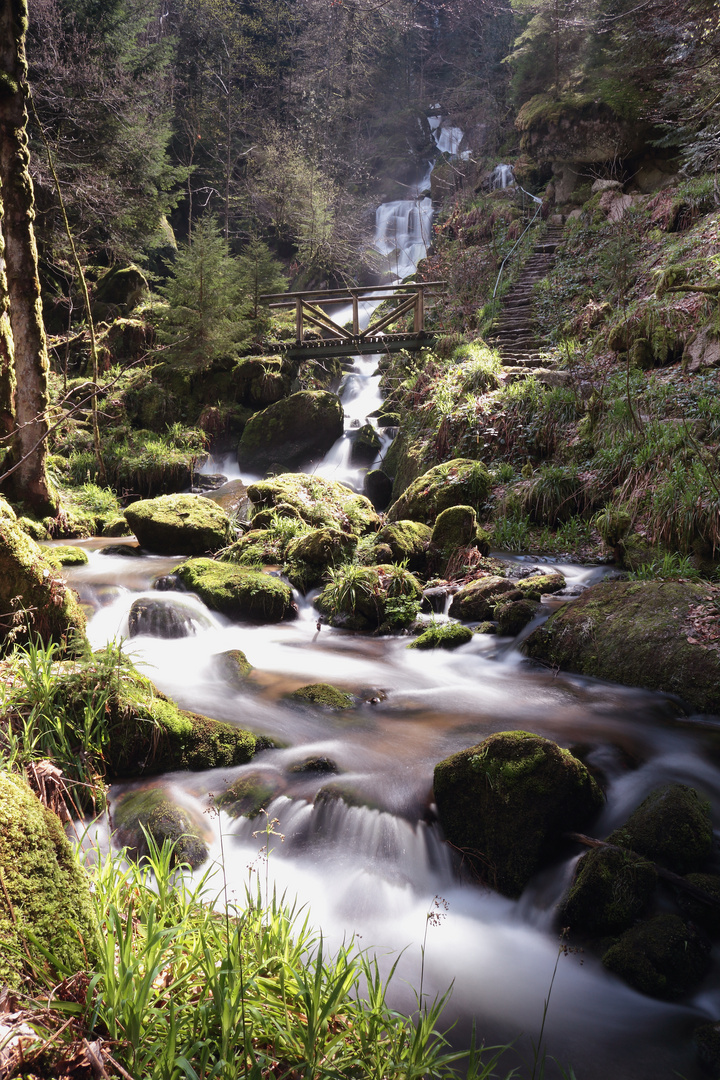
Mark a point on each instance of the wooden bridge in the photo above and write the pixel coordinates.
(338, 340)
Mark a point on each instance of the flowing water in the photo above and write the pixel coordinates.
(374, 868)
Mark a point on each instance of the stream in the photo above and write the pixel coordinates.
(374, 869)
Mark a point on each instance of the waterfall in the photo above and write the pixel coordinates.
(503, 176)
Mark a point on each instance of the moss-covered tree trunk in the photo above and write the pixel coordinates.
(7, 360)
(29, 480)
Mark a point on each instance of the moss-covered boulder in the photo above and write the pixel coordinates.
(638, 633)
(538, 585)
(672, 827)
(457, 527)
(238, 591)
(179, 524)
(408, 541)
(259, 547)
(514, 615)
(122, 287)
(378, 488)
(45, 885)
(294, 431)
(233, 667)
(308, 557)
(250, 793)
(319, 502)
(66, 555)
(163, 617)
(34, 599)
(313, 766)
(611, 889)
(455, 483)
(260, 381)
(365, 445)
(322, 695)
(368, 597)
(442, 636)
(663, 957)
(151, 812)
(507, 802)
(476, 601)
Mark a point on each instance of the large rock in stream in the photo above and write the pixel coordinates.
(320, 503)
(179, 524)
(238, 591)
(460, 482)
(506, 803)
(292, 431)
(639, 633)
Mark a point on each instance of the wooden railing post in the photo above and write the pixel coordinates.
(419, 321)
(356, 315)
(298, 319)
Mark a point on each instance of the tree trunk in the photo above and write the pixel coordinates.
(29, 480)
(7, 358)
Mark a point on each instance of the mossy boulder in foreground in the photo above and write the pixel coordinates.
(179, 524)
(458, 482)
(672, 827)
(152, 811)
(238, 591)
(476, 601)
(32, 587)
(447, 636)
(506, 803)
(514, 615)
(48, 891)
(610, 890)
(293, 431)
(636, 633)
(407, 541)
(322, 695)
(317, 501)
(663, 957)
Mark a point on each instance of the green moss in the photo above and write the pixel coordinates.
(514, 615)
(321, 503)
(546, 109)
(457, 527)
(249, 794)
(672, 827)
(238, 591)
(323, 695)
(370, 597)
(705, 915)
(407, 542)
(449, 636)
(476, 601)
(47, 889)
(611, 889)
(541, 583)
(179, 524)
(663, 957)
(65, 555)
(234, 667)
(457, 482)
(151, 811)
(506, 803)
(292, 431)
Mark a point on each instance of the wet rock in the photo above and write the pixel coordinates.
(611, 889)
(476, 602)
(537, 585)
(179, 524)
(161, 618)
(408, 542)
(365, 446)
(437, 596)
(234, 667)
(513, 616)
(250, 793)
(663, 957)
(457, 527)
(507, 802)
(378, 488)
(368, 597)
(261, 380)
(153, 812)
(672, 827)
(638, 633)
(322, 695)
(168, 583)
(486, 627)
(66, 555)
(309, 556)
(313, 765)
(238, 591)
(457, 482)
(127, 551)
(116, 527)
(43, 881)
(447, 636)
(294, 431)
(707, 1041)
(208, 481)
(317, 501)
(706, 916)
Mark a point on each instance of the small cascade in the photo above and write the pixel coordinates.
(503, 176)
(447, 139)
(403, 229)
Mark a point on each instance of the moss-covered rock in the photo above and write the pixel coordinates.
(610, 890)
(457, 527)
(233, 667)
(366, 445)
(238, 591)
(408, 542)
(707, 1041)
(476, 601)
(151, 811)
(260, 381)
(663, 957)
(378, 488)
(322, 695)
(313, 765)
(259, 547)
(514, 615)
(458, 482)
(32, 588)
(48, 890)
(705, 915)
(179, 524)
(507, 802)
(122, 287)
(319, 502)
(635, 633)
(442, 636)
(117, 526)
(163, 617)
(249, 794)
(672, 827)
(309, 555)
(66, 555)
(368, 597)
(293, 431)
(538, 584)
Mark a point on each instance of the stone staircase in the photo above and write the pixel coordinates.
(514, 334)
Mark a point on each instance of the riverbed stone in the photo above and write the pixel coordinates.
(309, 556)
(322, 695)
(153, 812)
(457, 527)
(664, 957)
(319, 502)
(298, 429)
(476, 601)
(538, 585)
(250, 793)
(454, 483)
(45, 884)
(408, 542)
(514, 615)
(365, 445)
(371, 597)
(378, 488)
(506, 803)
(638, 633)
(34, 599)
(67, 555)
(672, 826)
(610, 890)
(179, 524)
(238, 592)
(702, 914)
(233, 667)
(442, 636)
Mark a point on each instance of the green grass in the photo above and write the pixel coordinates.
(671, 566)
